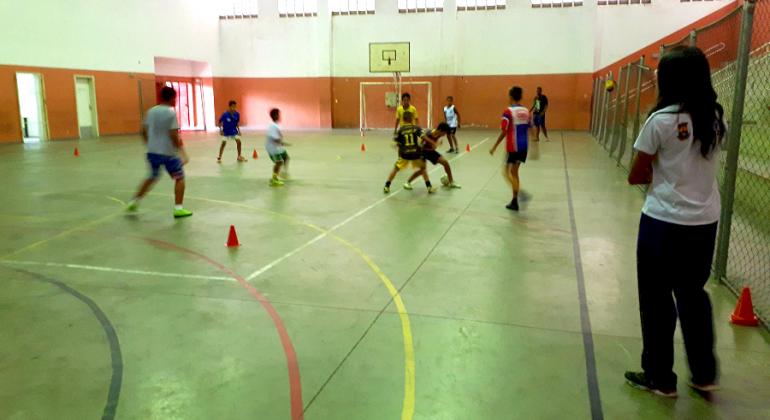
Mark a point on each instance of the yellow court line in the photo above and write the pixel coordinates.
(407, 411)
(60, 235)
(408, 406)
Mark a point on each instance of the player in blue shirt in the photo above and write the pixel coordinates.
(228, 127)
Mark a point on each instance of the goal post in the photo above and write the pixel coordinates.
(378, 102)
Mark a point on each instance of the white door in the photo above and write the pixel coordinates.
(31, 107)
(86, 107)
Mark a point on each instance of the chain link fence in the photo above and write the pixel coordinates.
(738, 49)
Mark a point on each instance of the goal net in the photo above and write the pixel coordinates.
(379, 100)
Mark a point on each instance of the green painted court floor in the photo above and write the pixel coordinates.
(341, 303)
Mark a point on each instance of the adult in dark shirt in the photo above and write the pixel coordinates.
(539, 108)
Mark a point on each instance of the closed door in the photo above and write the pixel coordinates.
(86, 107)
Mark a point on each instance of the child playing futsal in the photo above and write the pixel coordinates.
(276, 150)
(406, 106)
(229, 128)
(409, 154)
(160, 132)
(430, 142)
(452, 117)
(514, 129)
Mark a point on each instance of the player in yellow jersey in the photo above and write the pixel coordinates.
(409, 153)
(406, 106)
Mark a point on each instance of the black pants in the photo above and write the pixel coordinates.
(675, 259)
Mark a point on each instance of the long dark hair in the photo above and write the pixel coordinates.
(684, 79)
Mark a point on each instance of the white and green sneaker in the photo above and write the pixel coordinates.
(408, 186)
(179, 213)
(454, 185)
(432, 190)
(386, 190)
(275, 182)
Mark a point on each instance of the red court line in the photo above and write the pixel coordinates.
(295, 386)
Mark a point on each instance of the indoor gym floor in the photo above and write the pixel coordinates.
(146, 317)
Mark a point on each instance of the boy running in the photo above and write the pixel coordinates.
(275, 148)
(514, 130)
(406, 106)
(430, 139)
(409, 154)
(228, 127)
(160, 132)
(452, 117)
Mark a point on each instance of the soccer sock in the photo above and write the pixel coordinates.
(387, 183)
(178, 207)
(427, 184)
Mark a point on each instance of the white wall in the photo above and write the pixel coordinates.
(126, 35)
(117, 35)
(625, 29)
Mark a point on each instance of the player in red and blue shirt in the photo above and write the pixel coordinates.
(515, 130)
(229, 128)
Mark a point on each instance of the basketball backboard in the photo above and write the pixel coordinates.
(389, 57)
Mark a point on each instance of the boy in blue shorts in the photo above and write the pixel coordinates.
(276, 150)
(229, 128)
(160, 132)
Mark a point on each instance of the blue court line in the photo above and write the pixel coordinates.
(116, 381)
(585, 318)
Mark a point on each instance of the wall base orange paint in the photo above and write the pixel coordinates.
(117, 100)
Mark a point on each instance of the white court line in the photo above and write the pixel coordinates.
(356, 215)
(116, 270)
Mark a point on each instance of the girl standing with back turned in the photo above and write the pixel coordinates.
(677, 154)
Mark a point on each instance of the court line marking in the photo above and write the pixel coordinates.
(356, 215)
(115, 270)
(592, 379)
(66, 232)
(116, 356)
(61, 235)
(295, 384)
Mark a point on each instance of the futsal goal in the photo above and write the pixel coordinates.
(378, 101)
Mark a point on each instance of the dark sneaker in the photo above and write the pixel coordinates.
(514, 205)
(639, 381)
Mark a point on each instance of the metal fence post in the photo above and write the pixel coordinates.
(595, 107)
(616, 118)
(638, 117)
(734, 140)
(605, 110)
(624, 121)
(693, 41)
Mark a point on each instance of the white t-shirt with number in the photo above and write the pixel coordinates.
(684, 187)
(451, 116)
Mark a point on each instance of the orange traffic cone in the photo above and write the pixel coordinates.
(744, 311)
(255, 155)
(363, 147)
(232, 238)
(77, 153)
(468, 148)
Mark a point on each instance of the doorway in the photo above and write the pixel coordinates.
(85, 96)
(34, 124)
(189, 103)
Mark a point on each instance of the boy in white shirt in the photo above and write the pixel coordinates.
(452, 117)
(276, 150)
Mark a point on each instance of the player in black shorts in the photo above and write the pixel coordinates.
(430, 139)
(409, 154)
